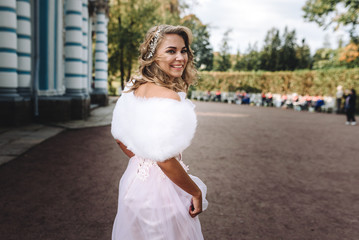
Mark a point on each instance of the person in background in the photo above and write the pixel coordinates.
(218, 96)
(238, 97)
(208, 96)
(319, 103)
(350, 107)
(339, 96)
(269, 98)
(283, 99)
(264, 98)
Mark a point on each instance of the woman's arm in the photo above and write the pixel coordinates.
(174, 171)
(124, 149)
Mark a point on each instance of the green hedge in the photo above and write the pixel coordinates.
(318, 82)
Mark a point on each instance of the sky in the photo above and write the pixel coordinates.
(250, 21)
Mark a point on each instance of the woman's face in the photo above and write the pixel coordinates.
(172, 55)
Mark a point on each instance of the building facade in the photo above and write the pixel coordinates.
(53, 59)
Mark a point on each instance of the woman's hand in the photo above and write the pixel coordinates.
(174, 171)
(196, 207)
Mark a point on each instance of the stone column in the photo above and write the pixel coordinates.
(89, 54)
(74, 62)
(24, 47)
(100, 93)
(8, 50)
(85, 48)
(73, 48)
(15, 110)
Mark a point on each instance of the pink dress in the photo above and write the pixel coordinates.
(150, 205)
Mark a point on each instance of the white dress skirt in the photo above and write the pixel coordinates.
(152, 207)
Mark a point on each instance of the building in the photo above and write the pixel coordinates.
(47, 59)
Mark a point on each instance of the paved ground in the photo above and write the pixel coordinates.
(17, 140)
(271, 174)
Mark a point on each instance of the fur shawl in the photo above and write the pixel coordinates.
(154, 128)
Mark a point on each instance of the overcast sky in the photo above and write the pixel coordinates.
(250, 20)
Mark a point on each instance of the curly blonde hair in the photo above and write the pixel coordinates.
(149, 71)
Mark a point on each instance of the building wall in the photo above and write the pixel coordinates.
(46, 60)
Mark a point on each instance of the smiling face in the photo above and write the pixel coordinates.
(172, 55)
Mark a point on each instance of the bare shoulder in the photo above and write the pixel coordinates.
(168, 93)
(154, 91)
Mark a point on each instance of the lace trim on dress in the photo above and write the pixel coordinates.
(144, 166)
(143, 170)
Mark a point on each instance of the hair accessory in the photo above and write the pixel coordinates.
(153, 44)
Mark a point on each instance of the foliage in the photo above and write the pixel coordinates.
(270, 53)
(339, 12)
(224, 57)
(249, 61)
(305, 60)
(325, 58)
(287, 54)
(318, 82)
(129, 22)
(280, 52)
(350, 55)
(201, 46)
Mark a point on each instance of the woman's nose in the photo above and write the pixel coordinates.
(179, 56)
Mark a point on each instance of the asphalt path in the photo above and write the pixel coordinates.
(271, 174)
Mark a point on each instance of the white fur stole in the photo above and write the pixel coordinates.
(154, 128)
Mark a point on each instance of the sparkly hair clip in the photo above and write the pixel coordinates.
(153, 44)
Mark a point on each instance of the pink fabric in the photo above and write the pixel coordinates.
(152, 207)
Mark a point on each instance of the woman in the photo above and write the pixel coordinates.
(153, 123)
(350, 101)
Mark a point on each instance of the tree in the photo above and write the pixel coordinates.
(287, 53)
(270, 53)
(203, 51)
(224, 57)
(239, 64)
(250, 61)
(338, 12)
(303, 56)
(129, 22)
(350, 55)
(325, 58)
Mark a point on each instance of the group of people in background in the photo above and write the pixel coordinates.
(345, 101)
(349, 97)
(304, 102)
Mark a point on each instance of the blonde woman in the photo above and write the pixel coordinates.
(153, 123)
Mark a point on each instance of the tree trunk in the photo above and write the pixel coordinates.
(121, 48)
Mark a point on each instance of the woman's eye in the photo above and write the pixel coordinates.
(184, 51)
(170, 51)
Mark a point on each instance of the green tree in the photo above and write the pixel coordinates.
(250, 61)
(287, 53)
(239, 63)
(338, 12)
(325, 58)
(270, 55)
(201, 46)
(224, 57)
(303, 56)
(129, 22)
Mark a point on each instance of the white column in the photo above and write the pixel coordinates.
(89, 54)
(8, 49)
(85, 33)
(73, 48)
(101, 53)
(60, 85)
(24, 46)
